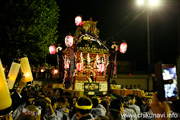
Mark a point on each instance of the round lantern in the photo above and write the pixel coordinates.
(68, 41)
(52, 49)
(78, 20)
(123, 47)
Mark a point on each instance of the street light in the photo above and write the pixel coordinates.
(153, 2)
(149, 4)
(140, 2)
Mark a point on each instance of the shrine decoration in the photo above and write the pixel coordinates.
(66, 62)
(115, 47)
(72, 62)
(86, 47)
(97, 58)
(81, 56)
(101, 68)
(79, 66)
(58, 49)
(88, 58)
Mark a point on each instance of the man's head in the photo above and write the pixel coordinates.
(126, 101)
(116, 104)
(84, 105)
(116, 108)
(132, 99)
(62, 102)
(148, 101)
(30, 112)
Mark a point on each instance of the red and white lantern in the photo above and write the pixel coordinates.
(68, 41)
(123, 47)
(52, 49)
(78, 20)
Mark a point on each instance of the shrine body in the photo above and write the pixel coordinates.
(87, 60)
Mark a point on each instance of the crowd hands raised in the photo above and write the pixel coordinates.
(35, 103)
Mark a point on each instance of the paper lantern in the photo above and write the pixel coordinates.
(5, 99)
(26, 69)
(78, 20)
(123, 47)
(12, 75)
(52, 49)
(68, 41)
(79, 66)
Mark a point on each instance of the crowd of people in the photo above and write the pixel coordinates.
(36, 103)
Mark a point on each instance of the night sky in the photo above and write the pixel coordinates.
(123, 20)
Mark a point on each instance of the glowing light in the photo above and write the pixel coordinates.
(42, 70)
(26, 69)
(140, 2)
(153, 2)
(78, 20)
(12, 77)
(27, 75)
(68, 41)
(123, 47)
(52, 49)
(55, 71)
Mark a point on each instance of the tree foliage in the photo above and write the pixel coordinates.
(29, 26)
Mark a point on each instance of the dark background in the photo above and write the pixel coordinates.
(123, 20)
